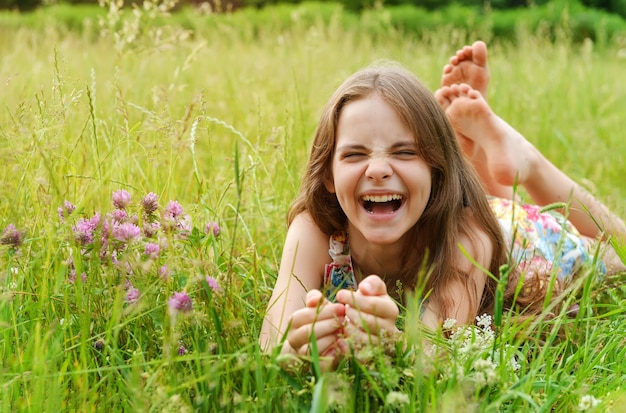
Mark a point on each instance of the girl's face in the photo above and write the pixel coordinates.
(381, 182)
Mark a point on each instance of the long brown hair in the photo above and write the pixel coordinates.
(433, 240)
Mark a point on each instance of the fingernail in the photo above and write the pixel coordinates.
(366, 287)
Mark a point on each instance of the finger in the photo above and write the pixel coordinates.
(356, 336)
(325, 346)
(372, 285)
(317, 331)
(381, 306)
(309, 315)
(314, 298)
(369, 323)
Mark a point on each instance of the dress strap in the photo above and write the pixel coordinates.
(339, 274)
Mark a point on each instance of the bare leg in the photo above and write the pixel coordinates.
(509, 158)
(468, 65)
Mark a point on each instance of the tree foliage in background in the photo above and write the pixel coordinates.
(22, 5)
(612, 6)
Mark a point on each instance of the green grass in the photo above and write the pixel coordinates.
(220, 120)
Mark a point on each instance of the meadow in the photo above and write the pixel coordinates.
(147, 174)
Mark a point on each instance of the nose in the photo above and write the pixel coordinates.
(378, 169)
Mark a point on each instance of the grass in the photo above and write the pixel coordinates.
(220, 120)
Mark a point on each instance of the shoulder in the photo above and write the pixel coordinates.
(305, 251)
(303, 226)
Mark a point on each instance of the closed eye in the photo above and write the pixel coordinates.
(353, 155)
(405, 154)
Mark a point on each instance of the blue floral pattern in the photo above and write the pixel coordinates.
(339, 274)
(541, 238)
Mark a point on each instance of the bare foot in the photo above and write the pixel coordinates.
(500, 154)
(468, 65)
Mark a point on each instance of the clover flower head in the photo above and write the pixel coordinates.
(150, 203)
(132, 295)
(213, 284)
(150, 229)
(119, 216)
(72, 277)
(66, 210)
(164, 272)
(126, 232)
(180, 302)
(152, 249)
(173, 209)
(85, 228)
(11, 236)
(212, 227)
(182, 350)
(121, 199)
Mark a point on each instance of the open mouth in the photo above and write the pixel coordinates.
(382, 204)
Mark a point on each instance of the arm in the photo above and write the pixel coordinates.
(297, 305)
(466, 294)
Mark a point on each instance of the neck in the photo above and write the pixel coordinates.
(370, 258)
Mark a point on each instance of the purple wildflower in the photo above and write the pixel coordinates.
(119, 216)
(164, 272)
(72, 277)
(180, 302)
(11, 236)
(66, 210)
(150, 203)
(212, 227)
(182, 350)
(152, 250)
(126, 232)
(85, 228)
(213, 285)
(121, 199)
(150, 229)
(132, 295)
(173, 210)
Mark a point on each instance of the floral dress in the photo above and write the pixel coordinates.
(339, 274)
(542, 239)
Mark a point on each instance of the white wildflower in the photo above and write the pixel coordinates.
(449, 323)
(485, 372)
(587, 402)
(396, 398)
(484, 321)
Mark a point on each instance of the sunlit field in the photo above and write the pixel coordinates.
(147, 172)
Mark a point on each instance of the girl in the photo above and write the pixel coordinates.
(387, 184)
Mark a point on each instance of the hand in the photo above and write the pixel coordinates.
(370, 311)
(319, 317)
